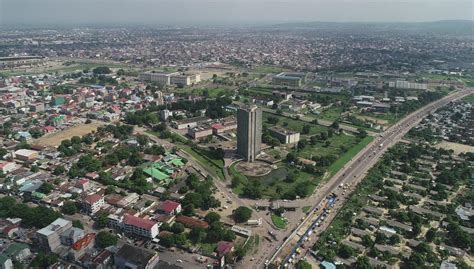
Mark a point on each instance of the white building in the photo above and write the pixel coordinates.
(134, 225)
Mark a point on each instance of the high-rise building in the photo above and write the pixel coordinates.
(249, 132)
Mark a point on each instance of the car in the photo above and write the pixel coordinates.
(180, 261)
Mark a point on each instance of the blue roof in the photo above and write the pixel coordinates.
(328, 265)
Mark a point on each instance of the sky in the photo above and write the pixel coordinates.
(169, 12)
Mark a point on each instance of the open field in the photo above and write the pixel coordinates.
(55, 66)
(469, 99)
(54, 139)
(346, 157)
(293, 124)
(456, 147)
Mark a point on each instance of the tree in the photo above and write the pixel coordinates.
(43, 260)
(290, 177)
(302, 264)
(102, 220)
(197, 235)
(242, 214)
(362, 263)
(167, 241)
(69, 208)
(105, 239)
(306, 129)
(77, 224)
(177, 228)
(34, 168)
(58, 170)
(46, 188)
(179, 239)
(100, 70)
(345, 251)
(212, 217)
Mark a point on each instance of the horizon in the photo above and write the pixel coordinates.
(224, 12)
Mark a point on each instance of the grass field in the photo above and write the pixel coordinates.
(346, 157)
(293, 124)
(216, 166)
(469, 98)
(58, 68)
(335, 148)
(331, 113)
(278, 221)
(54, 139)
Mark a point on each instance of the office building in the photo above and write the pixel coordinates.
(249, 132)
(285, 136)
(134, 225)
(175, 78)
(49, 238)
(290, 79)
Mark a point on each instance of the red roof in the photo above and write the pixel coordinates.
(224, 247)
(138, 222)
(217, 126)
(169, 206)
(49, 128)
(92, 199)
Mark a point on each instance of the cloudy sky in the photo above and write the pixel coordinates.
(72, 12)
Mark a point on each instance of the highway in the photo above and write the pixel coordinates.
(352, 174)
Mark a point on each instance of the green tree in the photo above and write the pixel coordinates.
(43, 260)
(46, 188)
(242, 214)
(69, 208)
(212, 217)
(177, 228)
(105, 239)
(77, 224)
(303, 264)
(58, 170)
(102, 220)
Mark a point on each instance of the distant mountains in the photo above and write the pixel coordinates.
(449, 26)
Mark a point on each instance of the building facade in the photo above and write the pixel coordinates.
(249, 132)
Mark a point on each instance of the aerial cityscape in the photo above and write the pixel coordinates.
(292, 143)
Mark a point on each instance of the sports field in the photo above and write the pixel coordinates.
(54, 139)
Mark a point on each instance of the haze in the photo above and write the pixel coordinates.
(69, 12)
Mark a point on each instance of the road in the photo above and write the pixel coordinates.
(352, 172)
(357, 168)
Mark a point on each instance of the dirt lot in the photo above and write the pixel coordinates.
(456, 147)
(54, 139)
(379, 121)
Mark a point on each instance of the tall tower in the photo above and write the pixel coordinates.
(249, 132)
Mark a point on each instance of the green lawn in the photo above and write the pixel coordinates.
(331, 113)
(216, 166)
(208, 248)
(337, 142)
(78, 67)
(346, 157)
(278, 221)
(293, 124)
(274, 183)
(306, 209)
(469, 98)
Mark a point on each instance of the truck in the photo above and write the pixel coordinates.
(254, 222)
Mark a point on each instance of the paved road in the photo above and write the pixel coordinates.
(355, 170)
